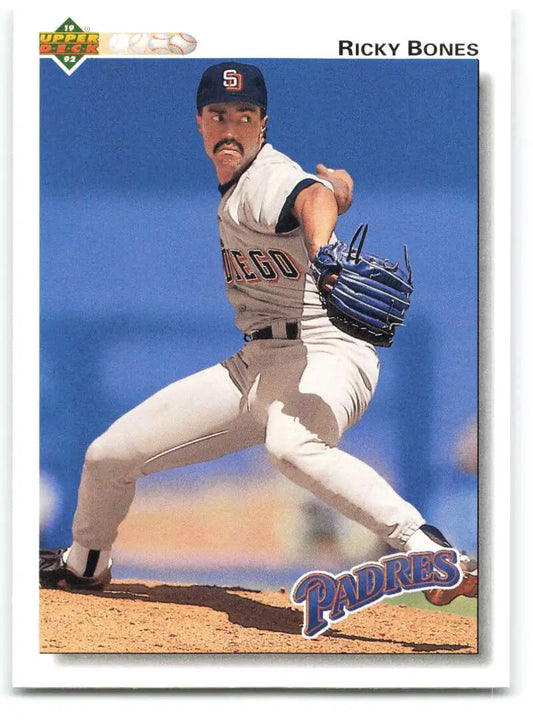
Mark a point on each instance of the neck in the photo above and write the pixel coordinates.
(226, 173)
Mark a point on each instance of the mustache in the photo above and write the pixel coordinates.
(228, 143)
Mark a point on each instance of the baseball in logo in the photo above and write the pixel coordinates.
(232, 80)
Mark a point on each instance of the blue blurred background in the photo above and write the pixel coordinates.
(132, 294)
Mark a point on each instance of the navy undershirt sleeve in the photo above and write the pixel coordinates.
(287, 221)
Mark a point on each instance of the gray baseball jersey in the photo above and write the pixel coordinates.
(266, 265)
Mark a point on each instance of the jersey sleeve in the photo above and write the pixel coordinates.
(268, 198)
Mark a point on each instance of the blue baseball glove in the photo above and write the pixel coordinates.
(370, 295)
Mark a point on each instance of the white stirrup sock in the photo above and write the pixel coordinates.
(87, 562)
(420, 541)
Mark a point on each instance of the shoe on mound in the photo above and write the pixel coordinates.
(467, 587)
(55, 574)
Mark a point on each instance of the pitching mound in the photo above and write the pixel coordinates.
(164, 618)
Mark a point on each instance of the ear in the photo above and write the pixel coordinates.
(199, 122)
(263, 126)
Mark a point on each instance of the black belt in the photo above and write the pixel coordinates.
(291, 329)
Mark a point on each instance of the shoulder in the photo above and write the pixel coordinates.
(269, 163)
(273, 168)
(269, 155)
(266, 192)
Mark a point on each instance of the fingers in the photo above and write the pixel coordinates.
(324, 171)
(328, 282)
(342, 182)
(334, 174)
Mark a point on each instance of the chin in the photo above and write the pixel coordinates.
(229, 162)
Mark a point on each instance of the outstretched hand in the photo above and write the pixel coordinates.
(342, 185)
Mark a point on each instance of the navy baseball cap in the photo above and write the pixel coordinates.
(232, 81)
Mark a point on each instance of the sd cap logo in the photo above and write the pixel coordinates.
(232, 80)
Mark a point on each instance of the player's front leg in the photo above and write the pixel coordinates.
(195, 419)
(326, 388)
(303, 429)
(311, 459)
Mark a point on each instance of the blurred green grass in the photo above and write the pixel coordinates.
(462, 605)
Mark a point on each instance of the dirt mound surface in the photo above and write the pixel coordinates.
(132, 617)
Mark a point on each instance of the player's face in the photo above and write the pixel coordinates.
(232, 134)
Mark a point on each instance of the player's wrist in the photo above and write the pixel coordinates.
(325, 268)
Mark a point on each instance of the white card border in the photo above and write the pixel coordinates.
(31, 669)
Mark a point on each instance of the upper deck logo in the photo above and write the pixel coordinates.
(69, 44)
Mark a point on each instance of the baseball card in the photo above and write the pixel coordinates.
(254, 437)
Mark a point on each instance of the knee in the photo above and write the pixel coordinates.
(281, 447)
(110, 457)
(292, 447)
(290, 437)
(97, 453)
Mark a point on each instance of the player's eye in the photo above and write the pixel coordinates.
(245, 119)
